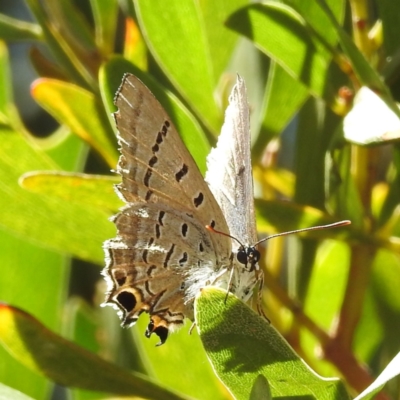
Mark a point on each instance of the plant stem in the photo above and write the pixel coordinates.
(360, 22)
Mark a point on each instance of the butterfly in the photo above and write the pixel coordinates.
(179, 231)
(168, 244)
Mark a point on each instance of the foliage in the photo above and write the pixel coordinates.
(334, 291)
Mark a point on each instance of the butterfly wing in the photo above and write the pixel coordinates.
(161, 231)
(229, 172)
(229, 176)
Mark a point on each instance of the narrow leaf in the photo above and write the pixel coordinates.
(81, 112)
(199, 29)
(391, 371)
(282, 34)
(14, 29)
(66, 363)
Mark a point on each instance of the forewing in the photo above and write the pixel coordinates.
(229, 172)
(155, 165)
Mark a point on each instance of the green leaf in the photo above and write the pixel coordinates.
(261, 389)
(285, 94)
(385, 282)
(182, 355)
(331, 265)
(75, 187)
(392, 370)
(205, 48)
(33, 268)
(62, 51)
(74, 29)
(314, 136)
(60, 145)
(82, 324)
(317, 18)
(8, 113)
(389, 13)
(345, 198)
(49, 221)
(189, 129)
(14, 29)
(80, 111)
(105, 14)
(282, 34)
(66, 363)
(241, 345)
(392, 198)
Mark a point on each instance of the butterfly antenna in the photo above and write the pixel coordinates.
(210, 228)
(313, 228)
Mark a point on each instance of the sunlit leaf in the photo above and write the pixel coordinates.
(75, 187)
(49, 221)
(391, 371)
(241, 345)
(66, 363)
(199, 29)
(81, 111)
(283, 35)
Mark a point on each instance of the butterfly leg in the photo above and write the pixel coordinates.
(192, 327)
(229, 287)
(260, 278)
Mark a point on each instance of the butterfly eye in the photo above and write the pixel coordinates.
(241, 256)
(254, 254)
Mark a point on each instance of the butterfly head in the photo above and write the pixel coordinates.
(248, 256)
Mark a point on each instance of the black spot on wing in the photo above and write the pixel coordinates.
(168, 256)
(198, 200)
(147, 177)
(184, 229)
(127, 300)
(148, 195)
(151, 269)
(160, 217)
(181, 173)
(183, 260)
(153, 161)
